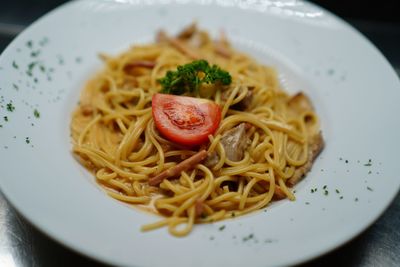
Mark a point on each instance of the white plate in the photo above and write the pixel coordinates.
(354, 89)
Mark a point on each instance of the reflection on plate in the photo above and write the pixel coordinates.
(353, 87)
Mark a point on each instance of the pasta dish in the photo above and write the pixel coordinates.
(193, 130)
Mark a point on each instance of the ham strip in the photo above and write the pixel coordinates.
(141, 63)
(185, 165)
(315, 147)
(178, 44)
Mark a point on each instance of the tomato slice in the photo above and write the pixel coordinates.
(185, 120)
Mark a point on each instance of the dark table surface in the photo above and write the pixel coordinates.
(21, 244)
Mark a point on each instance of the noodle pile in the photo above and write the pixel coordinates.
(115, 137)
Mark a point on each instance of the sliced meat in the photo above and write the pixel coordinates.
(235, 142)
(177, 44)
(315, 147)
(211, 160)
(300, 103)
(185, 165)
(245, 102)
(188, 31)
(242, 104)
(140, 63)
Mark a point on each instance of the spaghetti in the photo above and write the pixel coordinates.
(115, 137)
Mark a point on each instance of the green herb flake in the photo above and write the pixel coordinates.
(29, 44)
(246, 238)
(221, 228)
(346, 161)
(5, 118)
(307, 203)
(42, 68)
(27, 140)
(325, 186)
(233, 214)
(60, 60)
(369, 163)
(337, 191)
(356, 199)
(36, 113)
(35, 53)
(341, 197)
(15, 65)
(16, 87)
(44, 41)
(370, 189)
(10, 107)
(326, 192)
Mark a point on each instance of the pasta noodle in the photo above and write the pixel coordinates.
(115, 137)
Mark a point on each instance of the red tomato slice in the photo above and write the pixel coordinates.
(185, 120)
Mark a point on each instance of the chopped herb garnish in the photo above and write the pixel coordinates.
(346, 161)
(221, 228)
(1, 126)
(356, 199)
(36, 113)
(337, 191)
(369, 188)
(369, 163)
(35, 53)
(15, 65)
(29, 44)
(16, 87)
(190, 77)
(341, 197)
(5, 118)
(10, 107)
(325, 186)
(60, 60)
(340, 158)
(27, 140)
(42, 68)
(246, 238)
(326, 192)
(44, 41)
(233, 214)
(307, 203)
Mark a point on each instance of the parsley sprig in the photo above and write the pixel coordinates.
(190, 77)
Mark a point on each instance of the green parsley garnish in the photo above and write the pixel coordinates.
(10, 107)
(190, 77)
(246, 238)
(36, 113)
(15, 65)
